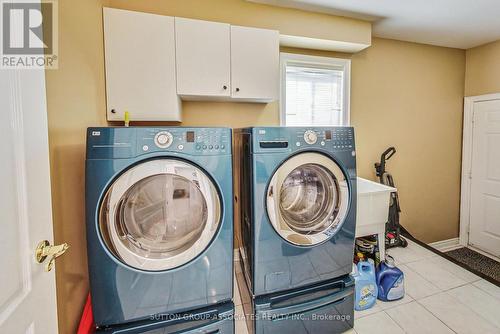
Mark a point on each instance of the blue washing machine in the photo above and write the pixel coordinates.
(297, 205)
(159, 221)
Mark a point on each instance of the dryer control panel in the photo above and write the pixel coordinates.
(342, 138)
(298, 138)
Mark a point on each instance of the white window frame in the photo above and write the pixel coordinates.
(317, 62)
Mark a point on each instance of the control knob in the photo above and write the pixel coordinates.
(163, 139)
(310, 137)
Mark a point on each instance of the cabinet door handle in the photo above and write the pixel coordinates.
(237, 89)
(225, 87)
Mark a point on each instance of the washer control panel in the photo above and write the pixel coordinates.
(208, 141)
(127, 142)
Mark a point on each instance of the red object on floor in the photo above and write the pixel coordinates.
(87, 325)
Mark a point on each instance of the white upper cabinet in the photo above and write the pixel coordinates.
(152, 61)
(140, 66)
(254, 64)
(203, 53)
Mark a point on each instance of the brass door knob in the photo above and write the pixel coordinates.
(44, 250)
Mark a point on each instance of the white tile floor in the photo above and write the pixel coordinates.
(441, 297)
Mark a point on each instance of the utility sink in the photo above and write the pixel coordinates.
(372, 209)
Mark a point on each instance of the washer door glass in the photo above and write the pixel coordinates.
(307, 199)
(160, 215)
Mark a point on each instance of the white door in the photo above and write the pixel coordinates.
(255, 62)
(28, 292)
(485, 187)
(203, 58)
(140, 66)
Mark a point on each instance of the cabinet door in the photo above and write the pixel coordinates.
(254, 64)
(203, 58)
(140, 66)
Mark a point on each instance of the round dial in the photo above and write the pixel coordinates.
(163, 139)
(310, 137)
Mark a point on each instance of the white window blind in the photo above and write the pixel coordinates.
(314, 94)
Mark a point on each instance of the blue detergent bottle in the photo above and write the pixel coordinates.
(365, 285)
(390, 281)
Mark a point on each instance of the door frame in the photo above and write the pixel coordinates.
(467, 148)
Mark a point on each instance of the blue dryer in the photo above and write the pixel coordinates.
(159, 221)
(297, 205)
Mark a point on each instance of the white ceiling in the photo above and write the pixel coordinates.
(454, 23)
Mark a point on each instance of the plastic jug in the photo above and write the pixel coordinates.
(366, 286)
(390, 281)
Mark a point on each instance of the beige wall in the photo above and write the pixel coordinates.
(483, 70)
(75, 98)
(403, 94)
(410, 96)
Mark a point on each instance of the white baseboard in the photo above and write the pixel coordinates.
(446, 245)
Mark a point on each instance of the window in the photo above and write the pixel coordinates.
(314, 90)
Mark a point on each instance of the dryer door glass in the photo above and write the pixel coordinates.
(160, 214)
(308, 196)
(307, 199)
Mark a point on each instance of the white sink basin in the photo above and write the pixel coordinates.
(372, 206)
(373, 210)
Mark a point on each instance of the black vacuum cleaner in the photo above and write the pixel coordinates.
(393, 236)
